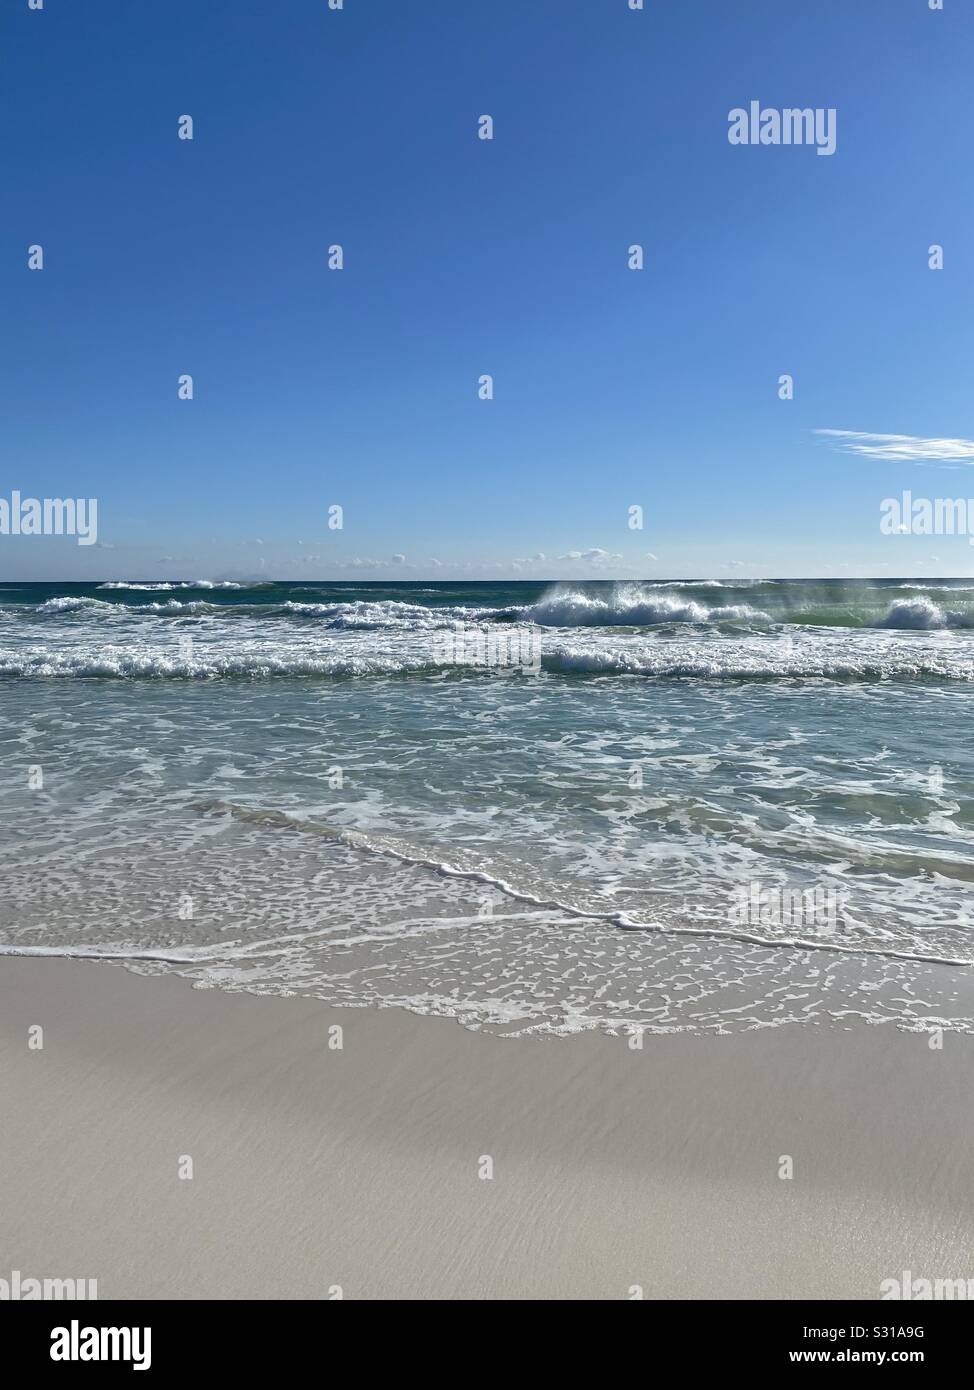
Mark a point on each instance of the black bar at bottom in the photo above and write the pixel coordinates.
(170, 1340)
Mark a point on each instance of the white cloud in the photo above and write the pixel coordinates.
(902, 448)
(595, 556)
(365, 562)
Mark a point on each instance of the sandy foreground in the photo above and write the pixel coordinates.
(360, 1168)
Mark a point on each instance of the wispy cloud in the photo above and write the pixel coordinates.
(902, 448)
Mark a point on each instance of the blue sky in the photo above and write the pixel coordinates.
(359, 387)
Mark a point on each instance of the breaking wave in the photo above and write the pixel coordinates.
(631, 607)
(748, 659)
(792, 630)
(923, 615)
(177, 584)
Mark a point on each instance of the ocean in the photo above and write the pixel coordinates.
(535, 808)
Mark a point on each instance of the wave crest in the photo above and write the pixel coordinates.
(921, 614)
(630, 605)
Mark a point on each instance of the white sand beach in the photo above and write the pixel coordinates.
(314, 1169)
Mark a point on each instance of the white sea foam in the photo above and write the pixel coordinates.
(629, 606)
(950, 588)
(579, 610)
(176, 584)
(67, 604)
(922, 614)
(103, 608)
(262, 650)
(408, 929)
(363, 616)
(834, 661)
(407, 853)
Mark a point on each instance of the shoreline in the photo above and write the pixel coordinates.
(316, 1168)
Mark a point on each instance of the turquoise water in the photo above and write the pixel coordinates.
(321, 789)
